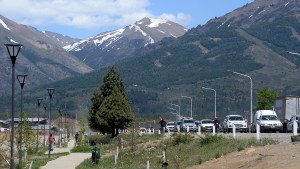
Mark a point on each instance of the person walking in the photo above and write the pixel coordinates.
(76, 138)
(162, 124)
(51, 140)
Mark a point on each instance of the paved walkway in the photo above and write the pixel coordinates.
(66, 162)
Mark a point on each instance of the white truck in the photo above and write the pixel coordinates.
(267, 120)
(286, 107)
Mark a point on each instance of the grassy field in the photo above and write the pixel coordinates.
(181, 151)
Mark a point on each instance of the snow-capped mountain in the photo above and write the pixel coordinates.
(108, 47)
(40, 58)
(60, 39)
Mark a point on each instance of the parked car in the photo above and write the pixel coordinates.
(171, 126)
(188, 123)
(237, 120)
(291, 123)
(178, 124)
(206, 125)
(267, 120)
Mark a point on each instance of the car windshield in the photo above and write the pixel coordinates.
(171, 124)
(188, 121)
(207, 121)
(269, 117)
(235, 118)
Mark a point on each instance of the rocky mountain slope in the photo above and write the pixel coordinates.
(43, 60)
(60, 39)
(106, 48)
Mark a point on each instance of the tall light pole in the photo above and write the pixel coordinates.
(191, 104)
(21, 79)
(206, 88)
(39, 101)
(176, 113)
(178, 108)
(45, 108)
(251, 113)
(13, 51)
(50, 93)
(60, 126)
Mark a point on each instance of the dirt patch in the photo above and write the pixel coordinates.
(267, 157)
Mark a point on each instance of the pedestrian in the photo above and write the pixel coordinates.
(162, 124)
(51, 141)
(76, 138)
(216, 123)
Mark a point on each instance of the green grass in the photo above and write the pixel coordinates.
(40, 160)
(181, 151)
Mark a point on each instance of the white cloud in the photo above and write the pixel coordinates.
(81, 13)
(180, 18)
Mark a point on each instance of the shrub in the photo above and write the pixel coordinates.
(98, 139)
(208, 139)
(181, 139)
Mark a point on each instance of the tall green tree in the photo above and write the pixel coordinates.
(266, 98)
(110, 109)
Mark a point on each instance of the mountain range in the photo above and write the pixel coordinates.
(50, 56)
(41, 58)
(260, 39)
(107, 48)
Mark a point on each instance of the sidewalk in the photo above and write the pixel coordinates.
(66, 162)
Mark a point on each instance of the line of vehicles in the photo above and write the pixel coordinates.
(285, 111)
(266, 119)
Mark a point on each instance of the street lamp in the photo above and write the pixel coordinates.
(206, 88)
(176, 106)
(191, 104)
(39, 101)
(60, 126)
(176, 113)
(50, 93)
(45, 108)
(21, 79)
(13, 51)
(251, 113)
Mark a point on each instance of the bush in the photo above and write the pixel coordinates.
(98, 139)
(181, 139)
(82, 148)
(209, 138)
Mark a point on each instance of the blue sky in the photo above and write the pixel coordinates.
(85, 18)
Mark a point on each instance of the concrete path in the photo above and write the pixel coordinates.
(66, 162)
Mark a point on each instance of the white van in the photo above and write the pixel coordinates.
(267, 120)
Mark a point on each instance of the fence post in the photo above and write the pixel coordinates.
(257, 132)
(295, 126)
(233, 130)
(214, 129)
(148, 164)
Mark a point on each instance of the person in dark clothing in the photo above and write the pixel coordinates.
(76, 138)
(162, 124)
(216, 123)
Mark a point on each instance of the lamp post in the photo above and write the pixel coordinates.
(65, 127)
(13, 51)
(206, 88)
(50, 93)
(39, 101)
(60, 126)
(191, 104)
(176, 113)
(21, 79)
(45, 108)
(176, 106)
(251, 113)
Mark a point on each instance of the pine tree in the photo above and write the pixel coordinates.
(110, 109)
